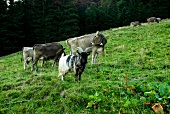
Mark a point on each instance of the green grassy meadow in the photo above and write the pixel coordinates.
(131, 75)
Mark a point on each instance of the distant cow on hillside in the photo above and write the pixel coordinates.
(47, 51)
(135, 23)
(159, 19)
(152, 19)
(96, 40)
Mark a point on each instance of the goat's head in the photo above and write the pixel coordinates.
(83, 55)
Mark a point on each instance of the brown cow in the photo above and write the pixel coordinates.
(47, 51)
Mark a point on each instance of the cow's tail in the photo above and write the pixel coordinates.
(21, 54)
(67, 43)
(69, 46)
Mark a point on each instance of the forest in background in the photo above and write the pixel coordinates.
(27, 22)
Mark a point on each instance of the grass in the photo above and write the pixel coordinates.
(136, 62)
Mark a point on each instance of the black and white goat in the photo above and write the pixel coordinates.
(75, 62)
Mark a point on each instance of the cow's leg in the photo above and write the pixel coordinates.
(53, 63)
(73, 51)
(55, 59)
(42, 62)
(28, 63)
(25, 62)
(95, 57)
(34, 64)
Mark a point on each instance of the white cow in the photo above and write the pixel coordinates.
(27, 55)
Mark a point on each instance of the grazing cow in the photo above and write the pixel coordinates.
(27, 55)
(135, 23)
(47, 51)
(96, 40)
(152, 19)
(75, 62)
(159, 19)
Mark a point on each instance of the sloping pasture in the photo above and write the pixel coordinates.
(131, 75)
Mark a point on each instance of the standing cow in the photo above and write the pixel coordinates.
(96, 40)
(152, 19)
(47, 51)
(27, 55)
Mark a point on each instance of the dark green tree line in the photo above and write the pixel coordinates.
(40, 21)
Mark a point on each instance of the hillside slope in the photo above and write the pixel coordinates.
(130, 77)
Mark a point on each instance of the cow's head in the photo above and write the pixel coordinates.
(60, 51)
(98, 39)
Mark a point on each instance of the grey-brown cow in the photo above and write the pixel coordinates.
(152, 19)
(135, 23)
(47, 51)
(96, 40)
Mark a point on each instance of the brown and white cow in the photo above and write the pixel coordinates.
(47, 51)
(95, 40)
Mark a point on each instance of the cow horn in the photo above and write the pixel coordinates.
(88, 49)
(79, 49)
(97, 33)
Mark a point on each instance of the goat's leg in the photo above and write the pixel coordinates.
(76, 74)
(76, 77)
(62, 76)
(79, 76)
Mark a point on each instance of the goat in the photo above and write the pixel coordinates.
(75, 62)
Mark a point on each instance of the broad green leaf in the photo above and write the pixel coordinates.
(127, 103)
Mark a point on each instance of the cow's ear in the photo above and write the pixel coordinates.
(97, 33)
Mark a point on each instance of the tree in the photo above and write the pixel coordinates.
(69, 22)
(91, 18)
